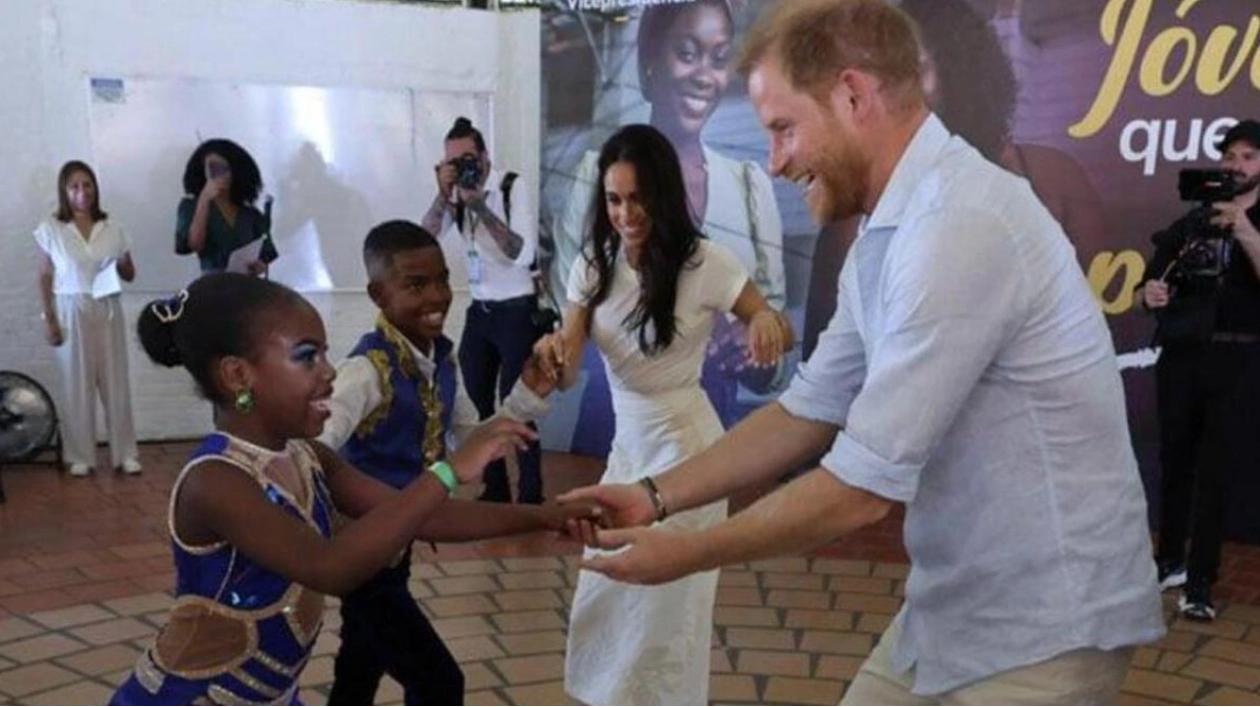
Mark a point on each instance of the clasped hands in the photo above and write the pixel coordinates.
(647, 555)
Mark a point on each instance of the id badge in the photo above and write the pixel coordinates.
(474, 266)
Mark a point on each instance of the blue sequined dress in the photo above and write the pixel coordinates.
(237, 633)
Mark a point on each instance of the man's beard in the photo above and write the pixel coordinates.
(840, 177)
(1244, 184)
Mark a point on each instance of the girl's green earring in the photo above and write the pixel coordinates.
(244, 400)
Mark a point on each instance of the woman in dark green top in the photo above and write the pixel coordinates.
(217, 214)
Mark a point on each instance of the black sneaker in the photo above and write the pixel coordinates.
(1170, 574)
(1196, 604)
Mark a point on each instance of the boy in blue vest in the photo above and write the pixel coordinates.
(396, 399)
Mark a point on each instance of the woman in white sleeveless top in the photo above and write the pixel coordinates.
(646, 291)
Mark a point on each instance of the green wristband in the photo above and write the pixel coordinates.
(446, 475)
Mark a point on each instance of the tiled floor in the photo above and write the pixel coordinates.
(84, 569)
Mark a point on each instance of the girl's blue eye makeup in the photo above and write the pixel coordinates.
(305, 352)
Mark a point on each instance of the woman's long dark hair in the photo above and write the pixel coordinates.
(246, 179)
(670, 246)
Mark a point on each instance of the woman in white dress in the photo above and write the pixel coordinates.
(685, 63)
(84, 256)
(646, 290)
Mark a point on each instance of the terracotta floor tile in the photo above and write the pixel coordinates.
(521, 621)
(874, 623)
(464, 584)
(532, 564)
(84, 692)
(763, 617)
(67, 560)
(16, 627)
(828, 620)
(1223, 628)
(1238, 652)
(732, 688)
(737, 578)
(1171, 661)
(33, 650)
(739, 596)
(474, 648)
(527, 600)
(861, 585)
(867, 602)
(548, 693)
(72, 616)
(1230, 696)
(1152, 684)
(460, 605)
(533, 642)
(479, 677)
(837, 642)
(531, 669)
(802, 691)
(772, 663)
(490, 697)
(33, 678)
(453, 569)
(140, 604)
(720, 661)
(532, 580)
(102, 661)
(141, 550)
(102, 591)
(1223, 672)
(854, 568)
(115, 631)
(781, 564)
(462, 626)
(794, 599)
(771, 638)
(793, 580)
(838, 667)
(48, 579)
(317, 671)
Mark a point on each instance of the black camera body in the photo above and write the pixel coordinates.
(467, 171)
(1204, 253)
(1207, 186)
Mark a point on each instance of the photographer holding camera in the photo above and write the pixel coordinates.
(1202, 286)
(496, 226)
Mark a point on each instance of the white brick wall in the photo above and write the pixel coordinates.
(48, 48)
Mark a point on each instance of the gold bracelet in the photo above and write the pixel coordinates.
(654, 493)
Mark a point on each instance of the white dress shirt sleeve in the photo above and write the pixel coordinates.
(356, 393)
(524, 218)
(950, 299)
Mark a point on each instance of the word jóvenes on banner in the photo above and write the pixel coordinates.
(1167, 60)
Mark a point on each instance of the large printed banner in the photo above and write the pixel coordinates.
(1098, 103)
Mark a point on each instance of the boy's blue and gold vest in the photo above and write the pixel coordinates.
(406, 432)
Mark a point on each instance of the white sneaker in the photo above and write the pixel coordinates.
(131, 466)
(80, 469)
(1175, 578)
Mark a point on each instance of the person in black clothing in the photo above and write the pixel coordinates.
(1203, 287)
